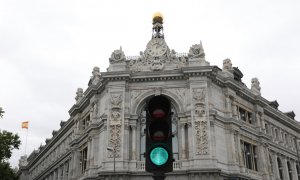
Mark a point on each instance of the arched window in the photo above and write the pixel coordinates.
(280, 168)
(142, 127)
(290, 170)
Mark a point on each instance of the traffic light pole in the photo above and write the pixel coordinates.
(159, 176)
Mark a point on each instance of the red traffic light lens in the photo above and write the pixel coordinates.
(158, 113)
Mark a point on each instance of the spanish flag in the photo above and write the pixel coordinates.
(25, 124)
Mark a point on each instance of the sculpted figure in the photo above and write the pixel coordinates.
(117, 56)
(79, 95)
(227, 65)
(96, 76)
(196, 51)
(255, 85)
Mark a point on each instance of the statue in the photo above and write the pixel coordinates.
(255, 87)
(227, 65)
(95, 79)
(117, 56)
(196, 51)
(79, 95)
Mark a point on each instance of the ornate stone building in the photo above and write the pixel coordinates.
(222, 129)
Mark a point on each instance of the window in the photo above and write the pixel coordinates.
(245, 115)
(66, 170)
(86, 122)
(280, 168)
(242, 113)
(276, 134)
(249, 155)
(83, 159)
(290, 171)
(267, 128)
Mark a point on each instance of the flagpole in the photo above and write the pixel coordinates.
(26, 141)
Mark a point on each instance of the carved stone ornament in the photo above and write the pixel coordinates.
(115, 141)
(95, 79)
(199, 102)
(196, 51)
(227, 65)
(79, 95)
(116, 100)
(157, 57)
(117, 56)
(255, 87)
(115, 117)
(201, 138)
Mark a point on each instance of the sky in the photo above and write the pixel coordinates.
(48, 49)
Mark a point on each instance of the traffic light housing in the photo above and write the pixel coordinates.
(159, 155)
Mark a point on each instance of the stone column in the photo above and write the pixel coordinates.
(234, 109)
(238, 148)
(228, 105)
(285, 169)
(183, 149)
(262, 160)
(191, 139)
(229, 133)
(276, 170)
(133, 155)
(90, 154)
(75, 164)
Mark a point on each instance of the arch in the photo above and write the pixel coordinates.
(141, 101)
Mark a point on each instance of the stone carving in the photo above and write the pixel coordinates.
(201, 138)
(115, 141)
(157, 91)
(255, 87)
(117, 56)
(180, 93)
(227, 65)
(95, 79)
(79, 95)
(145, 62)
(116, 100)
(156, 64)
(177, 61)
(115, 125)
(115, 117)
(200, 122)
(199, 102)
(196, 51)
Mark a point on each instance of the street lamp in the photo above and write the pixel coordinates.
(114, 154)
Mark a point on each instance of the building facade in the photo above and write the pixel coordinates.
(222, 129)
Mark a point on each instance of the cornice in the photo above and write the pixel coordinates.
(54, 164)
(50, 144)
(282, 118)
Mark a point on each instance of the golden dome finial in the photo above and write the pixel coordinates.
(157, 18)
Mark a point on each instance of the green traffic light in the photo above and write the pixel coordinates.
(159, 156)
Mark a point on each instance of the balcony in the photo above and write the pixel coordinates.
(140, 165)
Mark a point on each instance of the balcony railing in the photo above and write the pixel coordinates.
(140, 165)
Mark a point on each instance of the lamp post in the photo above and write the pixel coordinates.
(114, 154)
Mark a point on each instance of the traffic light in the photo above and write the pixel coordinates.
(159, 155)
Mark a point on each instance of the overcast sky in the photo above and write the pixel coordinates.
(49, 48)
